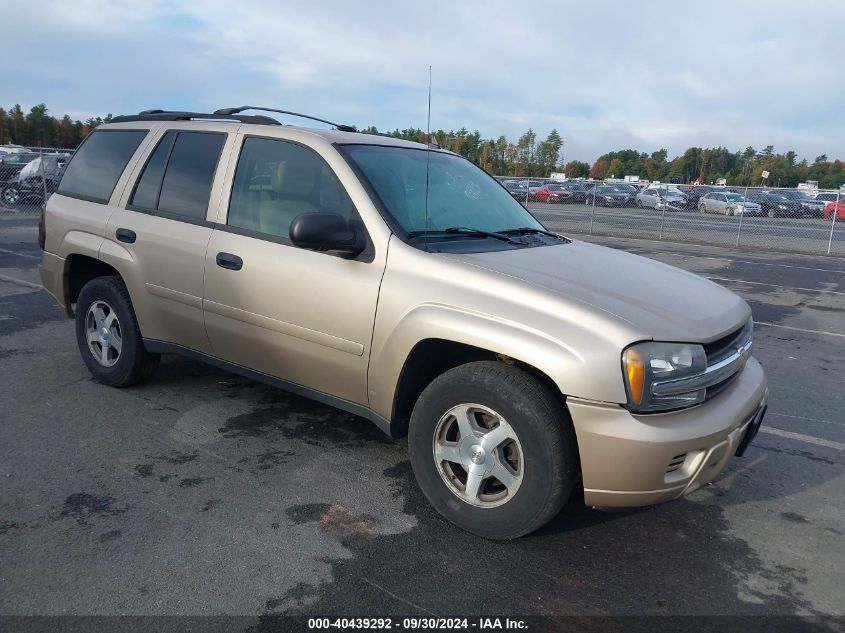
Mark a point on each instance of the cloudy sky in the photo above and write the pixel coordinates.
(606, 74)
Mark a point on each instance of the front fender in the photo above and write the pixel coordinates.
(552, 356)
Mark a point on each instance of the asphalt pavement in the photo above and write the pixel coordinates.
(202, 492)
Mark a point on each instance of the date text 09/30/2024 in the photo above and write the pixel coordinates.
(413, 624)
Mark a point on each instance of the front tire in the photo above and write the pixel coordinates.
(11, 196)
(108, 335)
(493, 449)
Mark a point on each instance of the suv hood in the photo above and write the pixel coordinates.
(652, 299)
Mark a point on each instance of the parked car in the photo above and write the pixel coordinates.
(814, 208)
(776, 205)
(517, 189)
(533, 187)
(728, 203)
(36, 178)
(830, 196)
(523, 366)
(655, 198)
(13, 149)
(694, 194)
(607, 196)
(840, 210)
(579, 191)
(553, 193)
(629, 190)
(10, 166)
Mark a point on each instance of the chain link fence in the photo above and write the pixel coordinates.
(28, 176)
(799, 220)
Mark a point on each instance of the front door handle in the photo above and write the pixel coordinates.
(125, 235)
(229, 261)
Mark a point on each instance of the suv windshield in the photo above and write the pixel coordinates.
(459, 193)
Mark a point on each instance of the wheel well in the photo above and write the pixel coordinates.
(79, 270)
(432, 357)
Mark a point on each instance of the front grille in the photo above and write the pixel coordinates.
(723, 348)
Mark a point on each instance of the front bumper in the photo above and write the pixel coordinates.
(635, 460)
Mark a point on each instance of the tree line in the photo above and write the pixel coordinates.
(37, 128)
(528, 156)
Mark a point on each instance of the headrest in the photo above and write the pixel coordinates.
(296, 179)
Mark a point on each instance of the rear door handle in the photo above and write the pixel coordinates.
(125, 235)
(229, 261)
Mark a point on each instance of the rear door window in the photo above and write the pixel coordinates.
(98, 164)
(176, 181)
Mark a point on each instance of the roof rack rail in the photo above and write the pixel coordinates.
(233, 111)
(167, 115)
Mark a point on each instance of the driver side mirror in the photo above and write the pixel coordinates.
(327, 232)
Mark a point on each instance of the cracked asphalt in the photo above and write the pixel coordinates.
(201, 492)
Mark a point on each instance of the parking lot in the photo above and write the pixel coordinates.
(796, 235)
(202, 492)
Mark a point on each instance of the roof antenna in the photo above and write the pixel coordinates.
(427, 155)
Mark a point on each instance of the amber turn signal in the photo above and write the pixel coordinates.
(635, 371)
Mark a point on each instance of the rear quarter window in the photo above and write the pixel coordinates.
(95, 169)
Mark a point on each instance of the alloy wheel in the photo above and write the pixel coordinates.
(11, 196)
(103, 333)
(478, 455)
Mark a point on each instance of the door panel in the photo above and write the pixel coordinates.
(164, 265)
(164, 275)
(298, 315)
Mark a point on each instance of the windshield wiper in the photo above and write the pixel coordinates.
(527, 230)
(462, 230)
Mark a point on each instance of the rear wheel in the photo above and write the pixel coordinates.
(108, 336)
(639, 203)
(493, 449)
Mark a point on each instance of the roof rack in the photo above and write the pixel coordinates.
(167, 115)
(233, 111)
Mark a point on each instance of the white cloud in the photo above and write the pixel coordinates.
(606, 74)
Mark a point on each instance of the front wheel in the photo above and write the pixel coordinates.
(493, 449)
(11, 196)
(639, 203)
(772, 213)
(702, 208)
(108, 336)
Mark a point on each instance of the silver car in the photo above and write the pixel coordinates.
(659, 198)
(728, 203)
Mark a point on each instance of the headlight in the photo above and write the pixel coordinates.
(782, 206)
(649, 362)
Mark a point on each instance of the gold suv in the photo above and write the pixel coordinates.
(405, 285)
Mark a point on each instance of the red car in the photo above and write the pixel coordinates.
(840, 210)
(552, 193)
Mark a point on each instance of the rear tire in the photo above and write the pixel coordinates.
(108, 335)
(451, 436)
